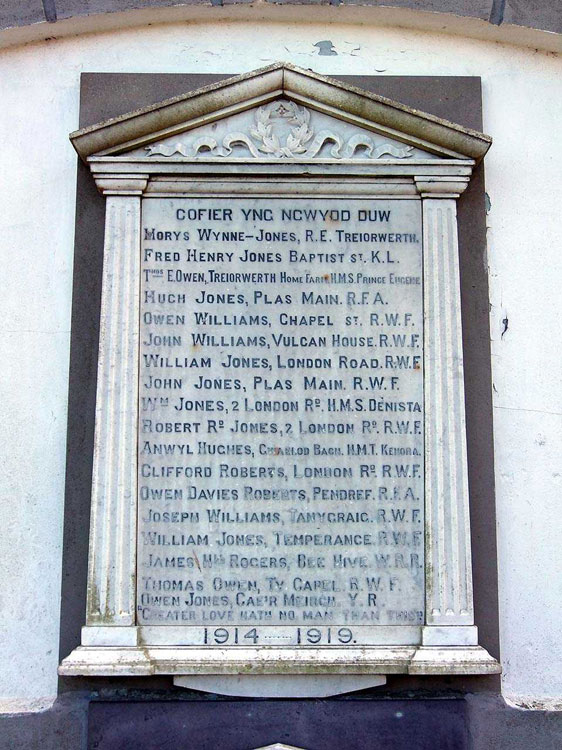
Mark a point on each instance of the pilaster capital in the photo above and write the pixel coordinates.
(441, 186)
(121, 184)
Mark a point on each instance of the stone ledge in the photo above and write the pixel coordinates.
(183, 660)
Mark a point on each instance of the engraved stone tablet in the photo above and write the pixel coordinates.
(281, 417)
(280, 479)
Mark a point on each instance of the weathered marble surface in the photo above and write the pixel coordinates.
(281, 419)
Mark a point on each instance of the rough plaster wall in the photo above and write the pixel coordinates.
(526, 320)
(39, 90)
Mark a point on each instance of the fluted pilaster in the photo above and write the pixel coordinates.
(111, 586)
(448, 557)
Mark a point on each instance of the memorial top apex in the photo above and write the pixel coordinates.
(302, 90)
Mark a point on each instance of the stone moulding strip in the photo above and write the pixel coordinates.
(527, 25)
(177, 660)
(398, 188)
(327, 168)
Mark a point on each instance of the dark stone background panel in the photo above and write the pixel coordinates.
(64, 726)
(481, 722)
(105, 95)
(312, 725)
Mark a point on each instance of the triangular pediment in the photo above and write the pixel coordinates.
(279, 113)
(283, 130)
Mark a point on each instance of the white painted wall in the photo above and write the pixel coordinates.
(39, 94)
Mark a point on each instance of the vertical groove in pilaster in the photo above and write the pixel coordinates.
(449, 575)
(111, 592)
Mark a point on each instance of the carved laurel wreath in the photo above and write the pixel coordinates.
(296, 140)
(300, 141)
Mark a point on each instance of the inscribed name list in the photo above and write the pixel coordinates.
(281, 463)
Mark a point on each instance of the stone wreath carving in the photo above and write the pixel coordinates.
(298, 136)
(300, 142)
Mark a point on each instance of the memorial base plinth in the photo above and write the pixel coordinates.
(280, 685)
(185, 660)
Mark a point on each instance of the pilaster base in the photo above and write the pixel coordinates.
(453, 660)
(106, 635)
(449, 635)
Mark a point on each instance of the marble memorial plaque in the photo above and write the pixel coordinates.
(281, 456)
(280, 474)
